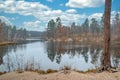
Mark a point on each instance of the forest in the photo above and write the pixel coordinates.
(10, 34)
(90, 30)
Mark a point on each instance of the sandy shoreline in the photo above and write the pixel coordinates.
(72, 75)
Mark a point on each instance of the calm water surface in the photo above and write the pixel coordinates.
(50, 55)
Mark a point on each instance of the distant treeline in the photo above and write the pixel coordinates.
(34, 34)
(11, 33)
(88, 30)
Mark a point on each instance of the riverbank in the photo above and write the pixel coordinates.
(18, 42)
(60, 75)
(97, 42)
(7, 43)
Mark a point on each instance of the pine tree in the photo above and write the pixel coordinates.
(106, 53)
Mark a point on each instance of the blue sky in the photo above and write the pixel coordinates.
(34, 14)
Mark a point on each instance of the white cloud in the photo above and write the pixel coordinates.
(65, 16)
(49, 0)
(32, 24)
(71, 11)
(43, 13)
(5, 20)
(22, 7)
(96, 15)
(113, 13)
(84, 3)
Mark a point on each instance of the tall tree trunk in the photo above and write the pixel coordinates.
(106, 54)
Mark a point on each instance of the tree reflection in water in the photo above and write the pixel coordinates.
(55, 51)
(4, 50)
(115, 56)
(55, 54)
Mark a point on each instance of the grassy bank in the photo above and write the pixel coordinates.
(7, 43)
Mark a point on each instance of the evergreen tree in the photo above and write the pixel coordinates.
(102, 24)
(58, 22)
(51, 28)
(117, 24)
(86, 25)
(94, 26)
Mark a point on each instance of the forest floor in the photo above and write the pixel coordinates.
(60, 75)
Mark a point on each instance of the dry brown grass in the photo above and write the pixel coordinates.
(73, 75)
(6, 43)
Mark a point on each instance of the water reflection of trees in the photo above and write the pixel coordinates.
(4, 50)
(95, 55)
(115, 56)
(57, 49)
(84, 53)
(51, 50)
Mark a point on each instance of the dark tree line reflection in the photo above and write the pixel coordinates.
(115, 52)
(55, 50)
(4, 50)
(90, 54)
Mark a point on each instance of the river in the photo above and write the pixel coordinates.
(51, 55)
